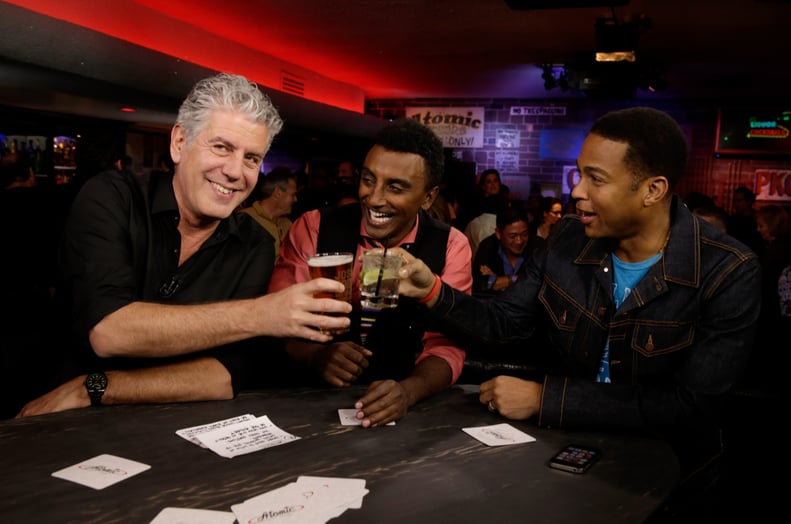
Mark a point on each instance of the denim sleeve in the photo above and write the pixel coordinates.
(511, 316)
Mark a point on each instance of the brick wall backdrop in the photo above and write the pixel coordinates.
(716, 177)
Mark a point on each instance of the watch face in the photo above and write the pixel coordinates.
(96, 381)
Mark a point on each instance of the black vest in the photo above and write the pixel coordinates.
(396, 337)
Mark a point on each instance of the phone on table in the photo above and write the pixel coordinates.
(575, 458)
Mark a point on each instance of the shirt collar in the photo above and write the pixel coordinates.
(508, 269)
(163, 200)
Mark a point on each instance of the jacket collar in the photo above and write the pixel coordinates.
(681, 260)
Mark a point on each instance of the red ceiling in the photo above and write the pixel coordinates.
(204, 33)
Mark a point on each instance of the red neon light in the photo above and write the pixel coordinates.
(199, 32)
(768, 132)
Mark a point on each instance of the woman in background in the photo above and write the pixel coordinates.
(551, 211)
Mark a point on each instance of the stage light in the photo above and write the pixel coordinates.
(563, 81)
(549, 78)
(616, 56)
(616, 41)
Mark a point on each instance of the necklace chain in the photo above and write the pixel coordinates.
(667, 238)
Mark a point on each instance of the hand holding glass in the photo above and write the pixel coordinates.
(379, 279)
(337, 266)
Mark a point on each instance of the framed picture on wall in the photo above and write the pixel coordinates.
(754, 131)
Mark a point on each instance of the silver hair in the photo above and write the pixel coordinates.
(227, 92)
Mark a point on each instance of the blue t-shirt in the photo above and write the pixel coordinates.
(625, 275)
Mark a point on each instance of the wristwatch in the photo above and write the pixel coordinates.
(96, 383)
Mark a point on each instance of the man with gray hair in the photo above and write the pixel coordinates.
(274, 197)
(165, 286)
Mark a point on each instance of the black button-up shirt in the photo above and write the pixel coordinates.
(121, 245)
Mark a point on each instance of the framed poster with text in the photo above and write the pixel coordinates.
(457, 127)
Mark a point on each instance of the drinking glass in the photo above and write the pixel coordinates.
(379, 279)
(337, 266)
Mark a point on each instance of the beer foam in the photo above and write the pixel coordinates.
(330, 260)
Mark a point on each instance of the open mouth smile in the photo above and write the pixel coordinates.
(378, 218)
(222, 189)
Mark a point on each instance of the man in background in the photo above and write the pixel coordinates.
(347, 175)
(347, 179)
(714, 215)
(501, 257)
(275, 195)
(123, 164)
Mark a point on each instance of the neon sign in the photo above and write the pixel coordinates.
(754, 131)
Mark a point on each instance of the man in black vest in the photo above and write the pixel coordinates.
(402, 363)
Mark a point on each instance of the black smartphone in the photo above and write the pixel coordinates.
(574, 458)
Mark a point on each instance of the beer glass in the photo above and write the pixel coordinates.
(337, 266)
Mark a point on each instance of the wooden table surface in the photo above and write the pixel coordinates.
(423, 469)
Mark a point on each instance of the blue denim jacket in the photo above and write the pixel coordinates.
(678, 343)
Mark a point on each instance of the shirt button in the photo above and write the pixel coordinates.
(606, 270)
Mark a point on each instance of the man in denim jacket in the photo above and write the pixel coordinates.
(646, 312)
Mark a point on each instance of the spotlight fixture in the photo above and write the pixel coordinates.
(555, 76)
(549, 77)
(616, 41)
(615, 71)
(563, 81)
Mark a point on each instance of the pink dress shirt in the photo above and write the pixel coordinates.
(292, 267)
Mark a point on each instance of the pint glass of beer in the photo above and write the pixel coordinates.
(337, 266)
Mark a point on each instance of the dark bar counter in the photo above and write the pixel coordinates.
(423, 469)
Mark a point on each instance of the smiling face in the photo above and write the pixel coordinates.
(608, 203)
(514, 237)
(392, 191)
(217, 171)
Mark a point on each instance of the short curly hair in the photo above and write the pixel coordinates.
(656, 144)
(407, 135)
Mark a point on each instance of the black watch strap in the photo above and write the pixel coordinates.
(96, 383)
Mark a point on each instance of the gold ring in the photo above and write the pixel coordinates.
(491, 406)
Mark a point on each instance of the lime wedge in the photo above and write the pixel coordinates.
(370, 278)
